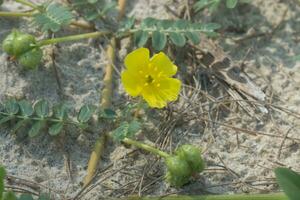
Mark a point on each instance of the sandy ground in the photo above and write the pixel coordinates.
(236, 161)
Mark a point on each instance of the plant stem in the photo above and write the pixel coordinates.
(27, 3)
(146, 147)
(274, 196)
(16, 14)
(73, 37)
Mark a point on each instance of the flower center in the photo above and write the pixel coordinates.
(149, 79)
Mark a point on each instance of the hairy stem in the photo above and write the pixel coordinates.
(73, 37)
(146, 147)
(16, 14)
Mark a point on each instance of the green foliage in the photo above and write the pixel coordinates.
(126, 130)
(85, 113)
(52, 17)
(41, 116)
(93, 9)
(161, 30)
(212, 5)
(289, 181)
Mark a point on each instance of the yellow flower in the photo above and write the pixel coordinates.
(150, 77)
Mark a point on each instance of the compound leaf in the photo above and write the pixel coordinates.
(53, 18)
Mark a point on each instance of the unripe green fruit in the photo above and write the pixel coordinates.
(23, 43)
(192, 155)
(31, 59)
(176, 180)
(179, 171)
(17, 43)
(7, 43)
(178, 166)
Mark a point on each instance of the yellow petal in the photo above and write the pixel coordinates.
(137, 60)
(169, 89)
(150, 95)
(158, 96)
(163, 64)
(132, 83)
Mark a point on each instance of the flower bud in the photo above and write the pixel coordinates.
(192, 155)
(176, 180)
(31, 58)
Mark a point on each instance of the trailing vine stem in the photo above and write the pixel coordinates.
(40, 119)
(73, 37)
(146, 147)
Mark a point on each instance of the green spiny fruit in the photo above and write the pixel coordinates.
(17, 43)
(31, 59)
(178, 172)
(7, 43)
(23, 43)
(192, 155)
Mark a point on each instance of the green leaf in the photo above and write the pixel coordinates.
(18, 126)
(36, 128)
(121, 132)
(2, 176)
(148, 22)
(141, 38)
(108, 114)
(85, 113)
(12, 107)
(54, 17)
(133, 128)
(26, 108)
(56, 128)
(42, 108)
(178, 39)
(231, 3)
(6, 119)
(194, 37)
(201, 4)
(9, 196)
(289, 181)
(159, 40)
(25, 197)
(61, 111)
(93, 9)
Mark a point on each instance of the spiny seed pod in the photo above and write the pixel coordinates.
(192, 155)
(31, 59)
(178, 172)
(17, 43)
(23, 43)
(176, 180)
(7, 43)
